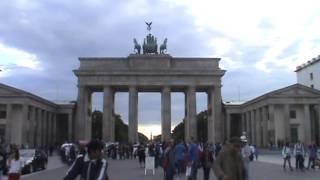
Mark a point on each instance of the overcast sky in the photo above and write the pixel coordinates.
(259, 42)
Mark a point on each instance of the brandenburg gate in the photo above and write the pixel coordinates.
(149, 71)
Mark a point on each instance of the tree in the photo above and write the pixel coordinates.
(202, 128)
(121, 129)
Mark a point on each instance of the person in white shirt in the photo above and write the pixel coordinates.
(15, 166)
(299, 153)
(286, 154)
(246, 152)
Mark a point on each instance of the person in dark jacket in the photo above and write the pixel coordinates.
(91, 166)
(169, 165)
(229, 164)
(142, 155)
(3, 160)
(313, 150)
(207, 161)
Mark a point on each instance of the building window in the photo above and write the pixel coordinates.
(312, 86)
(3, 114)
(311, 76)
(293, 114)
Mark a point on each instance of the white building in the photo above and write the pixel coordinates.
(31, 120)
(308, 73)
(288, 114)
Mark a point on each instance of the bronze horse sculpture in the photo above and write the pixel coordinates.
(163, 47)
(137, 47)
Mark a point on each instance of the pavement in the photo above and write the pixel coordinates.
(268, 167)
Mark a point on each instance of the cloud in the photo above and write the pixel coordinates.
(257, 41)
(12, 58)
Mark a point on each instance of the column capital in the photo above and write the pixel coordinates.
(166, 89)
(217, 86)
(192, 87)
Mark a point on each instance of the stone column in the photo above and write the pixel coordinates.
(186, 121)
(211, 127)
(313, 116)
(69, 126)
(252, 127)
(113, 122)
(54, 128)
(107, 114)
(191, 114)
(166, 113)
(248, 133)
(318, 119)
(258, 126)
(264, 127)
(133, 115)
(286, 123)
(83, 114)
(307, 124)
(8, 123)
(44, 127)
(21, 125)
(219, 126)
(39, 125)
(32, 127)
(243, 123)
(228, 118)
(49, 128)
(271, 117)
(36, 125)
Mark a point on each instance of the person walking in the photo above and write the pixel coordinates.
(3, 160)
(179, 153)
(193, 159)
(246, 154)
(229, 164)
(169, 160)
(286, 154)
(207, 161)
(91, 166)
(299, 154)
(14, 165)
(256, 152)
(142, 155)
(312, 155)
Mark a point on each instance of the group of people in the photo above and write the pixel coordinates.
(229, 161)
(300, 151)
(68, 153)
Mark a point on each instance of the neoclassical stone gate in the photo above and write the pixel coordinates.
(149, 73)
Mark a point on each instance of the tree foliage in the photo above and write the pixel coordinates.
(121, 129)
(202, 128)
